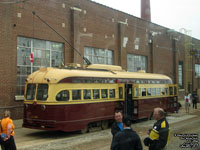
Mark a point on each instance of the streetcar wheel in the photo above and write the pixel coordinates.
(104, 124)
(84, 130)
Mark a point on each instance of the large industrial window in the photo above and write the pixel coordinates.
(98, 56)
(197, 70)
(136, 62)
(180, 75)
(45, 54)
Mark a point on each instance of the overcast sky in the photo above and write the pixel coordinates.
(173, 14)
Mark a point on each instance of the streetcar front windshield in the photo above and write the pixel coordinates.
(30, 92)
(42, 92)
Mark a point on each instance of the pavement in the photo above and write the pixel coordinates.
(29, 139)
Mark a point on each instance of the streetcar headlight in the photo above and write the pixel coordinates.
(43, 107)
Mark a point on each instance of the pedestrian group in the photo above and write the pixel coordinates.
(125, 138)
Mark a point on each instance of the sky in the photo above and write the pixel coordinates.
(173, 14)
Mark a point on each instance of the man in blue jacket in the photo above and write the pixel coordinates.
(126, 139)
(117, 125)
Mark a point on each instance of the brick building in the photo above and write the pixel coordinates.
(102, 34)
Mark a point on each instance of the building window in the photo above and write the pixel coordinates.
(98, 56)
(45, 54)
(180, 75)
(197, 70)
(136, 62)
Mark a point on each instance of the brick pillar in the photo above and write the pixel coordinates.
(122, 44)
(175, 61)
(75, 35)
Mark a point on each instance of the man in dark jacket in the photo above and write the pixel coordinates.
(117, 125)
(194, 100)
(126, 139)
(159, 135)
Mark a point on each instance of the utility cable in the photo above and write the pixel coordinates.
(84, 58)
(22, 1)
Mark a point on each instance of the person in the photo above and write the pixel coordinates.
(126, 139)
(178, 107)
(117, 125)
(8, 131)
(194, 100)
(187, 102)
(1, 138)
(159, 134)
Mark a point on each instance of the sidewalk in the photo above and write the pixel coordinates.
(18, 123)
(182, 110)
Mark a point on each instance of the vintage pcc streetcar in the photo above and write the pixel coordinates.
(76, 98)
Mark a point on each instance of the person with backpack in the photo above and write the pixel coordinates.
(187, 102)
(7, 131)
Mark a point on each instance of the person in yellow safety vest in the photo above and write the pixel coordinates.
(8, 133)
(159, 134)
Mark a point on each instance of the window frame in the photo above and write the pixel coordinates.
(26, 46)
(93, 54)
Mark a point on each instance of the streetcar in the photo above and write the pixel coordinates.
(77, 97)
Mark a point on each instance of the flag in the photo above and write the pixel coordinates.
(31, 57)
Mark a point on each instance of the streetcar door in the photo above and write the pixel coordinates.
(128, 100)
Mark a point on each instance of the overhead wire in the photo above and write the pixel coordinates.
(14, 2)
(84, 58)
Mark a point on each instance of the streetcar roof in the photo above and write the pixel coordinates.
(54, 75)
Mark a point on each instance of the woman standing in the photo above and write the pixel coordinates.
(187, 102)
(8, 130)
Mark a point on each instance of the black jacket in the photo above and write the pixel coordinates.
(159, 135)
(126, 140)
(115, 129)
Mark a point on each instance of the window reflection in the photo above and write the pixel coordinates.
(45, 54)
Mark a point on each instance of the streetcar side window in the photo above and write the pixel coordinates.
(96, 94)
(149, 91)
(162, 91)
(87, 94)
(112, 93)
(135, 91)
(30, 92)
(153, 92)
(62, 96)
(139, 92)
(76, 94)
(175, 91)
(42, 92)
(167, 91)
(144, 93)
(170, 90)
(104, 93)
(158, 91)
(120, 92)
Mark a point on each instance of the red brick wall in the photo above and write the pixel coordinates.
(94, 26)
